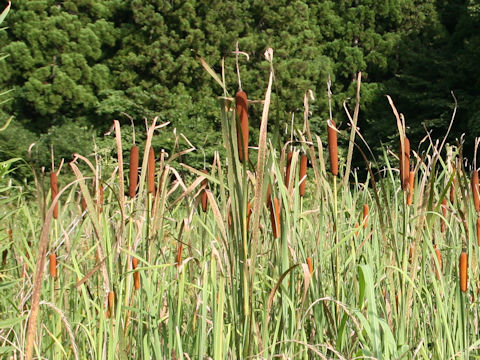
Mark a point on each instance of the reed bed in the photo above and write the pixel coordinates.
(270, 265)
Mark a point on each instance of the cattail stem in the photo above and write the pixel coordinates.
(133, 172)
(303, 174)
(241, 105)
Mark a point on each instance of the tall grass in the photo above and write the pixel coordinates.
(287, 276)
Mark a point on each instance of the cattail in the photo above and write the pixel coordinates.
(287, 170)
(242, 135)
(476, 199)
(249, 212)
(179, 254)
(275, 217)
(366, 212)
(478, 231)
(204, 192)
(111, 303)
(136, 274)
(356, 229)
(303, 174)
(333, 148)
(133, 173)
(463, 270)
(151, 171)
(444, 213)
(452, 191)
(438, 254)
(83, 203)
(411, 182)
(310, 265)
(100, 194)
(54, 189)
(53, 265)
(405, 163)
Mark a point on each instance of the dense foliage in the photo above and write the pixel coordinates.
(74, 66)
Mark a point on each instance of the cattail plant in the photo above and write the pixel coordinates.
(275, 217)
(133, 172)
(411, 182)
(310, 265)
(100, 194)
(287, 169)
(405, 163)
(438, 255)
(111, 304)
(463, 268)
(54, 190)
(204, 197)
(136, 274)
(366, 211)
(179, 255)
(241, 104)
(333, 147)
(53, 265)
(475, 189)
(444, 213)
(303, 174)
(452, 191)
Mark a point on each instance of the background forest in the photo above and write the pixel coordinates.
(74, 66)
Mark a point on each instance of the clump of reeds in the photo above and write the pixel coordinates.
(333, 147)
(405, 163)
(151, 171)
(241, 104)
(303, 174)
(53, 265)
(133, 172)
(463, 270)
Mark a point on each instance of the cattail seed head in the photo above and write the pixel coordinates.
(275, 217)
(438, 255)
(463, 269)
(53, 265)
(411, 182)
(452, 191)
(366, 211)
(133, 172)
(287, 169)
(204, 197)
(310, 265)
(136, 274)
(242, 135)
(475, 190)
(333, 148)
(405, 163)
(151, 171)
(54, 190)
(111, 303)
(249, 212)
(179, 254)
(303, 174)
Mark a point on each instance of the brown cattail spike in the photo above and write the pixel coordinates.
(463, 269)
(438, 255)
(333, 148)
(133, 172)
(100, 193)
(53, 265)
(303, 174)
(111, 303)
(275, 217)
(366, 211)
(136, 274)
(411, 182)
(204, 196)
(310, 265)
(179, 254)
(405, 163)
(241, 104)
(151, 171)
(54, 190)
(249, 212)
(452, 191)
(475, 189)
(287, 170)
